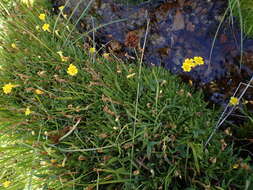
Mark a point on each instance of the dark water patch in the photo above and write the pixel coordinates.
(179, 29)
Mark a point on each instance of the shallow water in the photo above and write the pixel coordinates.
(178, 29)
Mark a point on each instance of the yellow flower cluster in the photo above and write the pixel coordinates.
(45, 26)
(189, 63)
(72, 70)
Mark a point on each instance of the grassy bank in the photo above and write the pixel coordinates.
(72, 119)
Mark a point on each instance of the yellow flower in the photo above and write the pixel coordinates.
(186, 68)
(13, 45)
(27, 111)
(39, 92)
(190, 62)
(45, 27)
(8, 88)
(188, 65)
(233, 101)
(6, 184)
(42, 16)
(72, 70)
(61, 8)
(199, 60)
(106, 55)
(92, 50)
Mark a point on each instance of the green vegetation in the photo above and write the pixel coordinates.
(243, 9)
(112, 125)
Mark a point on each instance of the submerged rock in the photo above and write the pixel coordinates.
(178, 29)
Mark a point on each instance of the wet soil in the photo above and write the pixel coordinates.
(178, 29)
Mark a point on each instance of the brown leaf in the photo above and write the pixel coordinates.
(30, 89)
(96, 84)
(180, 92)
(23, 77)
(106, 99)
(57, 134)
(115, 46)
(136, 172)
(129, 57)
(94, 74)
(82, 158)
(228, 131)
(107, 157)
(127, 145)
(41, 73)
(223, 144)
(90, 187)
(213, 160)
(100, 150)
(245, 166)
(58, 79)
(103, 135)
(107, 110)
(108, 177)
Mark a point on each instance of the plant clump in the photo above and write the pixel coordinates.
(82, 121)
